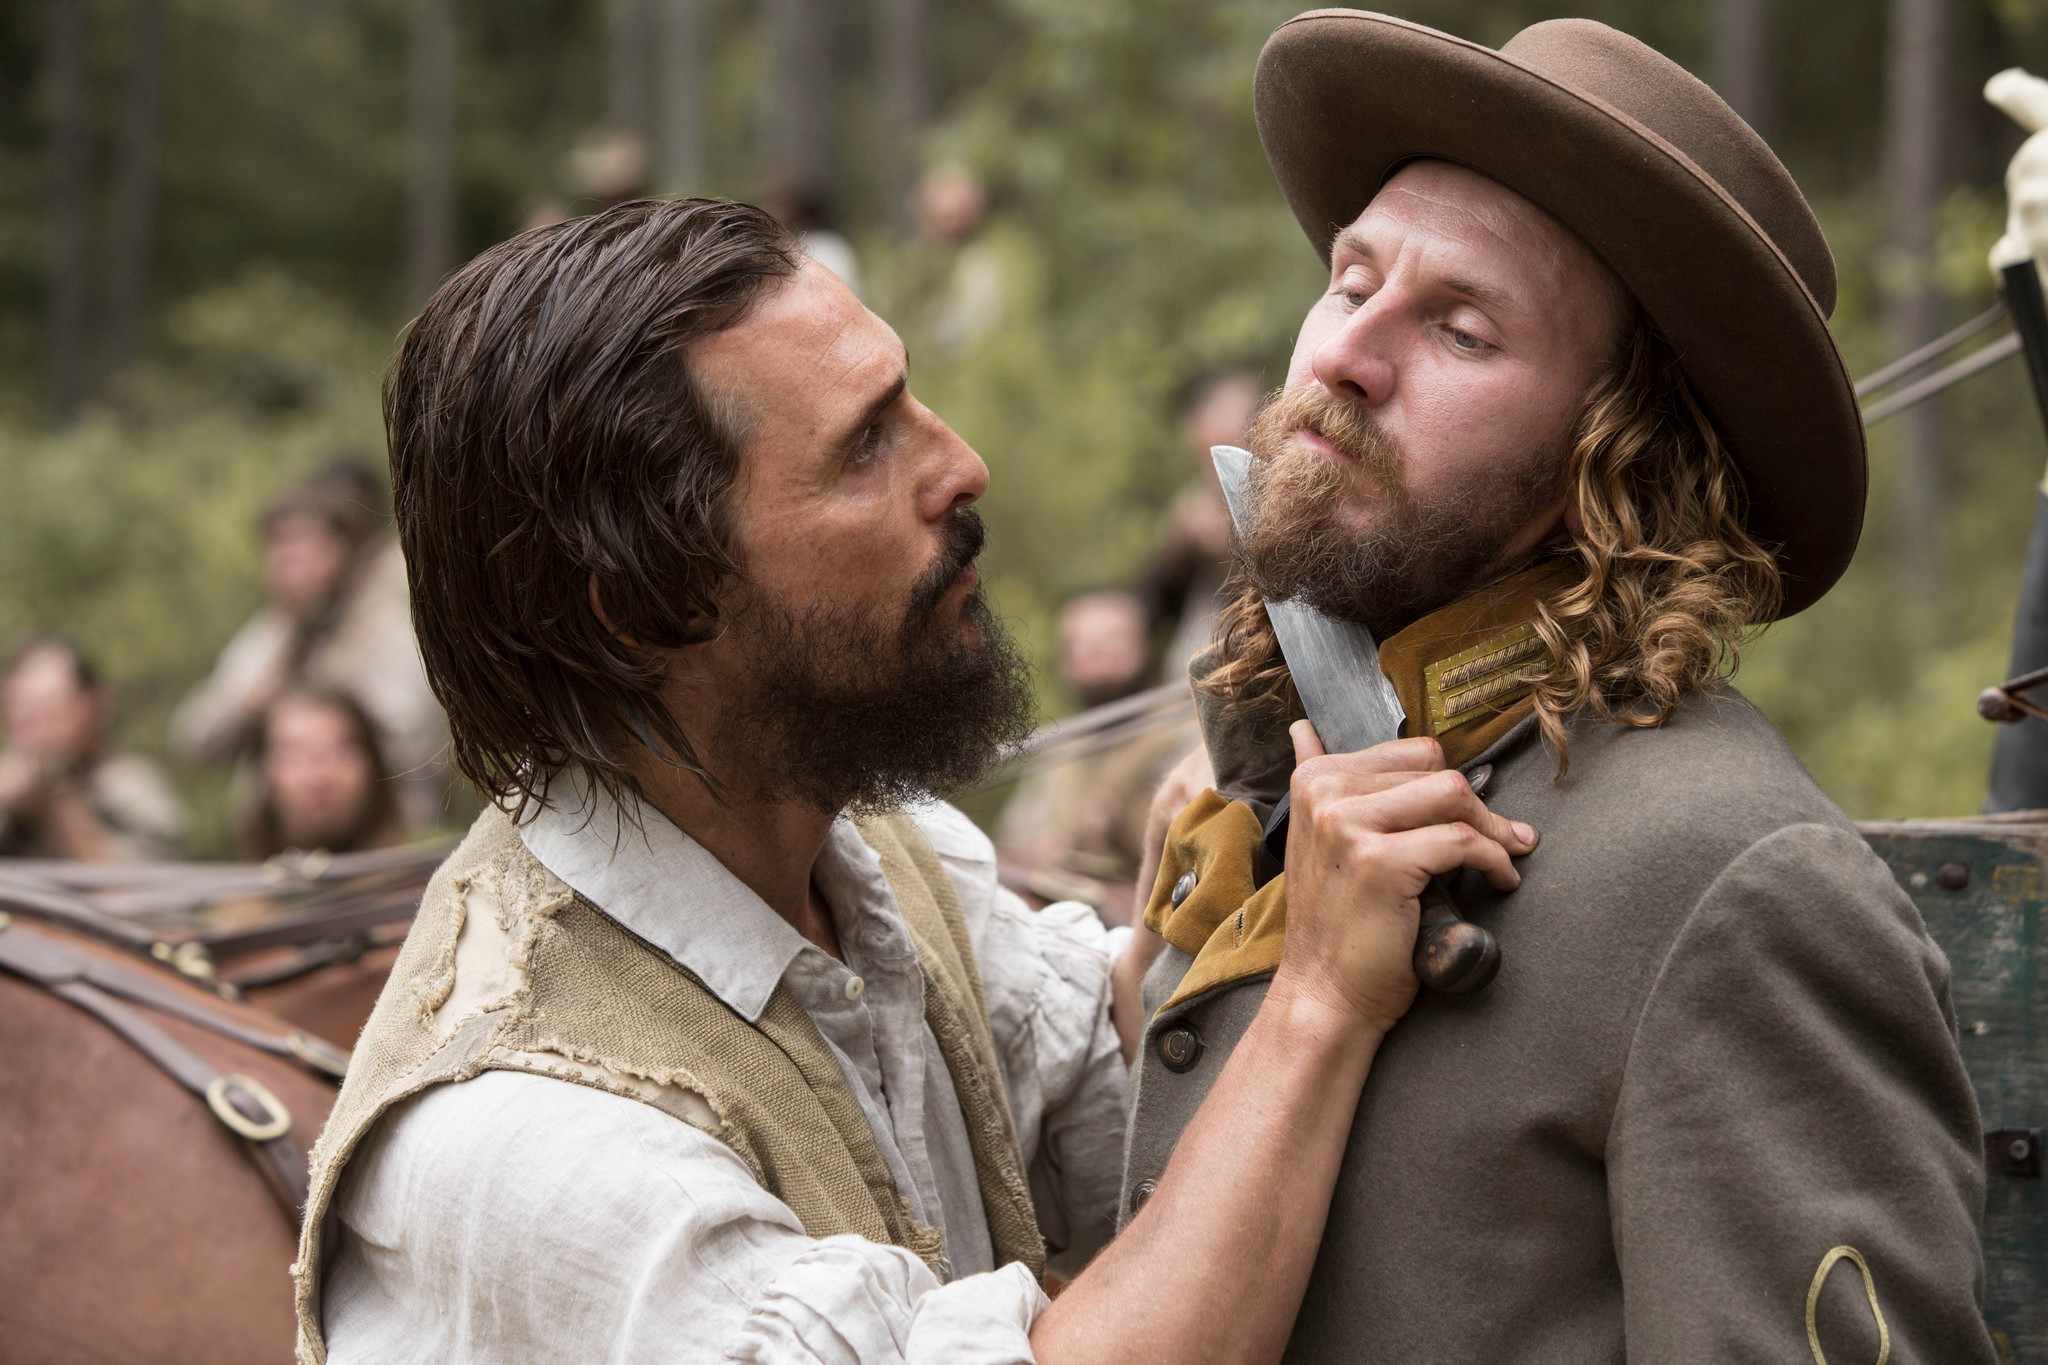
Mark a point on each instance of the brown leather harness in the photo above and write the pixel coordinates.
(112, 991)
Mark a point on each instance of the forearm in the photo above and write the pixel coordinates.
(1213, 1267)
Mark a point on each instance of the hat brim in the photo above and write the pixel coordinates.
(1345, 98)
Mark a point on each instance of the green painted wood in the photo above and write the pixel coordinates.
(1988, 915)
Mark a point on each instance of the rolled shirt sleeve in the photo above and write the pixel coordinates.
(1794, 1089)
(480, 1229)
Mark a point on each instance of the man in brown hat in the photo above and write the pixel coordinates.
(1566, 425)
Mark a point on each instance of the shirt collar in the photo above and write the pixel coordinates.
(669, 890)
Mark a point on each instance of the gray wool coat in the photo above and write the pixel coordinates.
(1720, 1050)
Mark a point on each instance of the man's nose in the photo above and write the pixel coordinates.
(958, 476)
(1358, 361)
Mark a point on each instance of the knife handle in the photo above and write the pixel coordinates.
(1452, 955)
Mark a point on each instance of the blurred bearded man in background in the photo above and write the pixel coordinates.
(1565, 426)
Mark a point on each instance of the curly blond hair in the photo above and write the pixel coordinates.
(1673, 584)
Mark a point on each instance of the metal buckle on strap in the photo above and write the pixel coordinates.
(317, 1053)
(221, 1094)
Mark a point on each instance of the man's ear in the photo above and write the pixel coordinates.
(611, 627)
(604, 618)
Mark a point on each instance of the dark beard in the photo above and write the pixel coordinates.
(850, 711)
(1415, 558)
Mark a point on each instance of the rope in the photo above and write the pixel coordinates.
(1913, 360)
(1945, 378)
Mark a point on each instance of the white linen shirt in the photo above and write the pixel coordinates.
(520, 1217)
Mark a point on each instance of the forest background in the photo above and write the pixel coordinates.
(216, 215)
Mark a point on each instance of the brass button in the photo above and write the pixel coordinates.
(1143, 1193)
(1180, 1047)
(1183, 888)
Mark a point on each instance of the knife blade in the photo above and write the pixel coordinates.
(1335, 665)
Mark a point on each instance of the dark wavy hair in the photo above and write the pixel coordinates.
(546, 436)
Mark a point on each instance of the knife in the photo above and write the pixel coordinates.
(1336, 669)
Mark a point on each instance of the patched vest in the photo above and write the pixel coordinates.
(546, 983)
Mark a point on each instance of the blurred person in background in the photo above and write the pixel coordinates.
(607, 166)
(338, 618)
(1086, 814)
(322, 783)
(968, 282)
(806, 210)
(1182, 587)
(62, 794)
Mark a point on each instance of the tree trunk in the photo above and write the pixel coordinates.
(679, 97)
(1916, 78)
(900, 66)
(70, 223)
(626, 66)
(1742, 61)
(798, 116)
(430, 205)
(131, 231)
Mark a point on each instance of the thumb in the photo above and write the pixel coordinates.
(1307, 744)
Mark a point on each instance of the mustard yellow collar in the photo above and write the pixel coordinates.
(1462, 672)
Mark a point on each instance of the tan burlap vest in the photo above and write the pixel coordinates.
(544, 982)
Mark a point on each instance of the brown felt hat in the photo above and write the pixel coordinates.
(1658, 175)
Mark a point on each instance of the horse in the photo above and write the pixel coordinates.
(164, 1079)
(152, 1158)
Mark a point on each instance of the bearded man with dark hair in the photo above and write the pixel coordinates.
(1565, 428)
(717, 1039)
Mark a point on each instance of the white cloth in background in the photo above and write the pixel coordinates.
(519, 1217)
(836, 254)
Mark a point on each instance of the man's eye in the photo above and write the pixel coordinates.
(870, 442)
(1465, 341)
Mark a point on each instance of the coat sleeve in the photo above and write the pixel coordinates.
(1795, 1161)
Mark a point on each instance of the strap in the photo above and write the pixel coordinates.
(242, 1104)
(52, 963)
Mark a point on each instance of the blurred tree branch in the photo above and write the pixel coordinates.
(132, 218)
(1916, 80)
(679, 97)
(1742, 67)
(430, 201)
(68, 67)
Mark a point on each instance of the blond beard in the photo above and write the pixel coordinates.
(1412, 557)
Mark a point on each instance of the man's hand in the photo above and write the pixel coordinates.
(1366, 833)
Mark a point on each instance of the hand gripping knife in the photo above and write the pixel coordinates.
(1336, 669)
